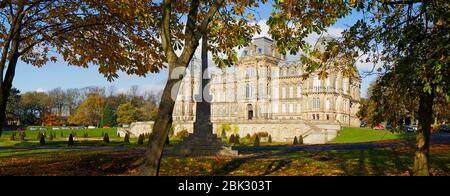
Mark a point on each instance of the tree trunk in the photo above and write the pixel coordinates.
(163, 122)
(421, 158)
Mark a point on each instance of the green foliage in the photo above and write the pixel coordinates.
(182, 134)
(172, 130)
(51, 136)
(106, 138)
(300, 140)
(62, 134)
(71, 142)
(295, 141)
(42, 140)
(270, 139)
(127, 113)
(108, 117)
(126, 139)
(85, 135)
(38, 136)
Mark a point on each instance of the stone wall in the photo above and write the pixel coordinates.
(280, 131)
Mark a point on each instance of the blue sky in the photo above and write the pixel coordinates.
(59, 74)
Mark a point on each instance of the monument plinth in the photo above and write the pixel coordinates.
(202, 142)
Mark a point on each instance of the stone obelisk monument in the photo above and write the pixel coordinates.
(203, 141)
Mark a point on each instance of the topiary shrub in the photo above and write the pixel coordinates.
(300, 140)
(126, 139)
(62, 134)
(106, 138)
(182, 134)
(167, 141)
(270, 139)
(295, 141)
(42, 140)
(13, 136)
(236, 140)
(22, 136)
(231, 140)
(248, 136)
(51, 136)
(140, 139)
(256, 142)
(71, 142)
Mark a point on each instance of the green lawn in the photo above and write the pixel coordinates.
(384, 161)
(356, 135)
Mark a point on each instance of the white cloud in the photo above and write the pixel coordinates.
(40, 90)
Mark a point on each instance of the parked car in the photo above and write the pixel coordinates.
(65, 128)
(56, 128)
(410, 128)
(378, 127)
(91, 127)
(444, 129)
(106, 126)
(33, 128)
(363, 124)
(390, 127)
(43, 129)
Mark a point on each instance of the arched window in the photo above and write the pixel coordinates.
(327, 104)
(316, 83)
(259, 50)
(247, 91)
(291, 92)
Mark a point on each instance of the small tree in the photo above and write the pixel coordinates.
(126, 139)
(106, 138)
(38, 136)
(295, 140)
(22, 136)
(85, 135)
(118, 135)
(256, 142)
(300, 139)
(62, 134)
(140, 139)
(71, 142)
(42, 140)
(167, 141)
(248, 136)
(232, 139)
(51, 136)
(236, 140)
(13, 136)
(270, 139)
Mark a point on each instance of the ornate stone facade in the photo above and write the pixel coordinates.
(264, 92)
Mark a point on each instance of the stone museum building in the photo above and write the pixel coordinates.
(265, 93)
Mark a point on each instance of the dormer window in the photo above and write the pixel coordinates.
(259, 50)
(245, 53)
